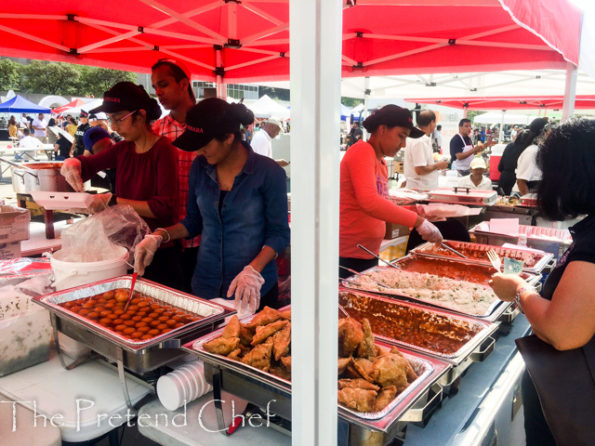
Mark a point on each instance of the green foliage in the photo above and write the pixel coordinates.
(9, 75)
(59, 78)
(471, 114)
(351, 102)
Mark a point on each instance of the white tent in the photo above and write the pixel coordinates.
(495, 117)
(87, 106)
(265, 107)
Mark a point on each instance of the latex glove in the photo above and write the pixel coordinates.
(100, 202)
(145, 251)
(506, 285)
(429, 232)
(71, 170)
(246, 287)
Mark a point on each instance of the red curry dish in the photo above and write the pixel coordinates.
(144, 319)
(413, 326)
(478, 274)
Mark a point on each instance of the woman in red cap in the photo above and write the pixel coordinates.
(145, 170)
(364, 206)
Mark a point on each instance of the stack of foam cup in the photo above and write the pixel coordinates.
(185, 384)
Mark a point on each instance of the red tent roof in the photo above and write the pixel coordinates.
(379, 36)
(509, 102)
(76, 103)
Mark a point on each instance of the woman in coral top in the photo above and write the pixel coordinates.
(365, 207)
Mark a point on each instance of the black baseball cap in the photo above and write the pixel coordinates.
(205, 121)
(123, 96)
(392, 116)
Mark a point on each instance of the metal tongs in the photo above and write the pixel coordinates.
(357, 273)
(378, 257)
(454, 251)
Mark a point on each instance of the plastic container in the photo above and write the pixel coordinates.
(71, 274)
(24, 340)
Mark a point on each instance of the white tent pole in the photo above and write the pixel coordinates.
(501, 132)
(315, 73)
(569, 92)
(465, 111)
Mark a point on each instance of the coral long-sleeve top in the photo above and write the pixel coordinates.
(364, 204)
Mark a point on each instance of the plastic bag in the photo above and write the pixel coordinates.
(98, 237)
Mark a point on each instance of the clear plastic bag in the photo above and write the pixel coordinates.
(99, 236)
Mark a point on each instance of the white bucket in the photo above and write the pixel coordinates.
(71, 274)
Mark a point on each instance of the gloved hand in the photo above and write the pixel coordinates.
(145, 251)
(71, 171)
(429, 232)
(246, 287)
(100, 202)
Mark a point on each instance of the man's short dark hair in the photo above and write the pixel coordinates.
(425, 118)
(567, 162)
(26, 131)
(439, 127)
(464, 121)
(177, 73)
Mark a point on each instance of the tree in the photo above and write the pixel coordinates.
(95, 81)
(9, 75)
(50, 78)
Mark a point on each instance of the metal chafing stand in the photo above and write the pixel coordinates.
(139, 357)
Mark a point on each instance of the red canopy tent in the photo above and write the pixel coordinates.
(508, 102)
(76, 103)
(249, 40)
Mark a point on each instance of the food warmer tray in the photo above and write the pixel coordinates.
(544, 260)
(498, 310)
(137, 356)
(463, 195)
(477, 349)
(414, 404)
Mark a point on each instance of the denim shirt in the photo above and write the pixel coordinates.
(253, 214)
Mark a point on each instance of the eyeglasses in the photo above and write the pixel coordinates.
(113, 121)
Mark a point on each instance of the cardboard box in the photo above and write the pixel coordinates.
(14, 224)
(10, 250)
(394, 231)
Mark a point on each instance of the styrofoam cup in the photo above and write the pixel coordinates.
(190, 380)
(171, 392)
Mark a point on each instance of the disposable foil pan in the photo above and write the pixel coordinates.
(208, 312)
(429, 371)
(363, 301)
(542, 259)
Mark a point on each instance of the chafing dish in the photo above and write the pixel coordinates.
(476, 346)
(259, 387)
(463, 195)
(535, 261)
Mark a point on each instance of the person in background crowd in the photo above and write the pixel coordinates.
(237, 201)
(437, 139)
(563, 314)
(28, 141)
(476, 179)
(508, 163)
(145, 167)
(364, 206)
(13, 128)
(262, 142)
(171, 81)
(100, 120)
(71, 125)
(26, 121)
(78, 145)
(420, 170)
(462, 150)
(3, 123)
(39, 127)
(96, 140)
(355, 133)
(528, 174)
(62, 148)
(513, 133)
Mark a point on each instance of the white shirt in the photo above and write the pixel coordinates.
(486, 183)
(29, 142)
(526, 168)
(418, 153)
(38, 123)
(261, 143)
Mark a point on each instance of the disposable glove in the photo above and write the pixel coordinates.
(429, 232)
(246, 286)
(145, 251)
(71, 171)
(100, 202)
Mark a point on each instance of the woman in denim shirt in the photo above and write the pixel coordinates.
(237, 203)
